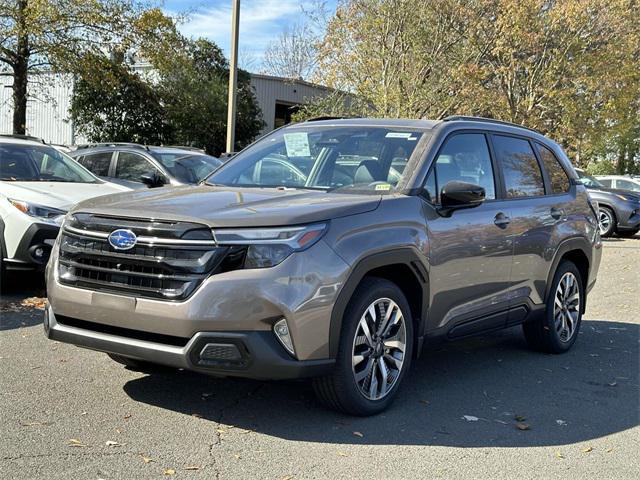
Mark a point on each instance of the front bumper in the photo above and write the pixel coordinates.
(628, 215)
(34, 248)
(260, 355)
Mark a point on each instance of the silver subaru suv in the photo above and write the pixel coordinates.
(334, 249)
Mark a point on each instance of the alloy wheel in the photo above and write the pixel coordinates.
(566, 309)
(379, 349)
(604, 221)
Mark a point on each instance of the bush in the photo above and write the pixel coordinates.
(603, 167)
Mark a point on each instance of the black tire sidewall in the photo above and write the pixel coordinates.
(369, 291)
(556, 344)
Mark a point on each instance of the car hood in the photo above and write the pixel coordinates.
(232, 207)
(614, 191)
(62, 195)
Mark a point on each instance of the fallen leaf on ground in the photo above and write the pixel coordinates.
(34, 302)
(127, 416)
(342, 454)
(358, 434)
(587, 450)
(288, 477)
(221, 430)
(470, 418)
(519, 418)
(147, 459)
(522, 426)
(169, 471)
(111, 443)
(609, 450)
(192, 467)
(74, 442)
(559, 455)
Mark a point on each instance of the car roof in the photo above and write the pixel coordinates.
(368, 122)
(20, 141)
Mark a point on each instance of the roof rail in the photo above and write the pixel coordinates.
(453, 118)
(185, 147)
(111, 144)
(22, 137)
(327, 117)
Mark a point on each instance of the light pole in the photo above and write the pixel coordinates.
(233, 77)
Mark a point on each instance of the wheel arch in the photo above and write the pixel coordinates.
(401, 266)
(578, 251)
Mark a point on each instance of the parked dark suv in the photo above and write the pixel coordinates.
(153, 166)
(333, 249)
(618, 210)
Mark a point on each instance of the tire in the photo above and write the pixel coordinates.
(351, 387)
(547, 334)
(606, 221)
(627, 233)
(136, 365)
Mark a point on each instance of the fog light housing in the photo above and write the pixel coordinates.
(281, 329)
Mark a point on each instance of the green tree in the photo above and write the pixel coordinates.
(56, 34)
(112, 103)
(193, 83)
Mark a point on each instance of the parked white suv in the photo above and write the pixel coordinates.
(621, 182)
(38, 184)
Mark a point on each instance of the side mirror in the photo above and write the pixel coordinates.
(153, 179)
(456, 195)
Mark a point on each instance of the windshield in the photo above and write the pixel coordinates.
(39, 163)
(369, 159)
(588, 180)
(188, 168)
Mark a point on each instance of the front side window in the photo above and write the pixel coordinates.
(606, 182)
(464, 158)
(522, 175)
(98, 163)
(132, 166)
(367, 159)
(36, 163)
(557, 175)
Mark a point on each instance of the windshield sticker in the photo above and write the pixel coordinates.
(297, 144)
(383, 187)
(398, 135)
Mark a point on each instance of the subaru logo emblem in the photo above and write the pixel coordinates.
(122, 239)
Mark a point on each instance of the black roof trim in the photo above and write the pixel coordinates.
(19, 136)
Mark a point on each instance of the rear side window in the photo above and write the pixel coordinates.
(522, 175)
(605, 181)
(97, 163)
(557, 175)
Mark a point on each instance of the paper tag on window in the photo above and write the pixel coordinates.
(383, 187)
(297, 144)
(398, 135)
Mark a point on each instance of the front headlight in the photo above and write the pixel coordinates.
(267, 247)
(46, 214)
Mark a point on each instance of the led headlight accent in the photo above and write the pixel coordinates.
(267, 247)
(46, 214)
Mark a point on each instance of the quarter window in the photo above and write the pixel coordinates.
(98, 163)
(132, 166)
(557, 175)
(522, 175)
(464, 158)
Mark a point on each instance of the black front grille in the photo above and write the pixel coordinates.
(167, 268)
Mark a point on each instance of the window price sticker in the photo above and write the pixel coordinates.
(297, 144)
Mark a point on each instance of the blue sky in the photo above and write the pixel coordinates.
(260, 22)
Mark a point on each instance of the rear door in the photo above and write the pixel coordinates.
(470, 250)
(539, 199)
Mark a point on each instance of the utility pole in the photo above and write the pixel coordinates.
(233, 77)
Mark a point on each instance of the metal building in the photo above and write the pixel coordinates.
(50, 99)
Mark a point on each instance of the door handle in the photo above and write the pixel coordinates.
(501, 220)
(557, 213)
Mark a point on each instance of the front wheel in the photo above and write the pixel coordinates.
(606, 221)
(556, 331)
(374, 354)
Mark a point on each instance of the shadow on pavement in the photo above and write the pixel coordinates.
(18, 287)
(590, 392)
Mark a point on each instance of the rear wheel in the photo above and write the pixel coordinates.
(556, 331)
(606, 221)
(374, 354)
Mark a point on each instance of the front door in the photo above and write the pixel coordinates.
(470, 250)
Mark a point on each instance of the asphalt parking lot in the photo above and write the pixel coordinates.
(484, 407)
